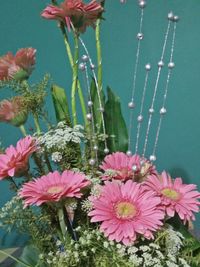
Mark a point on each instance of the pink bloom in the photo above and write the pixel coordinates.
(8, 66)
(14, 162)
(7, 111)
(125, 211)
(53, 187)
(11, 65)
(13, 111)
(175, 196)
(123, 167)
(76, 12)
(25, 59)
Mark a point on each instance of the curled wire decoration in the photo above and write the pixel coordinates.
(160, 66)
(98, 90)
(140, 116)
(163, 110)
(139, 37)
(90, 111)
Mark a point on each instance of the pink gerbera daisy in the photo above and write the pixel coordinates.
(125, 211)
(123, 167)
(175, 196)
(14, 162)
(53, 187)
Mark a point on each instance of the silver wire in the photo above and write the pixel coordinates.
(155, 89)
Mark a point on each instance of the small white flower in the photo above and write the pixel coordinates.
(56, 156)
(105, 244)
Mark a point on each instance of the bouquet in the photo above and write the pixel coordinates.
(82, 194)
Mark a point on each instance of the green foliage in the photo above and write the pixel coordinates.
(31, 221)
(30, 256)
(60, 104)
(115, 124)
(34, 94)
(191, 251)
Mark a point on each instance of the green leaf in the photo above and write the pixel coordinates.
(115, 124)
(30, 256)
(60, 104)
(95, 107)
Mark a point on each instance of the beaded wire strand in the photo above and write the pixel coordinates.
(163, 110)
(101, 109)
(140, 116)
(131, 104)
(93, 146)
(160, 66)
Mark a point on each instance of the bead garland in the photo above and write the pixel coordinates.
(131, 104)
(160, 66)
(163, 110)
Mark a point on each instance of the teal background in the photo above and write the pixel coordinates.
(179, 146)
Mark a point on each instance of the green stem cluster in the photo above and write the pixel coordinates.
(74, 65)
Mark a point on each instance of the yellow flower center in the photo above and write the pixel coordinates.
(55, 189)
(125, 210)
(171, 193)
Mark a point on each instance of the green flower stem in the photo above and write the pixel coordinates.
(23, 130)
(71, 61)
(82, 102)
(13, 182)
(38, 163)
(36, 122)
(99, 56)
(62, 222)
(48, 162)
(15, 259)
(74, 79)
(67, 45)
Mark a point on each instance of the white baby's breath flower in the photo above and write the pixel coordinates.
(56, 156)
(105, 244)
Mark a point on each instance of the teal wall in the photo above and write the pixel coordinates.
(179, 145)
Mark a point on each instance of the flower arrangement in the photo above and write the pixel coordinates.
(81, 195)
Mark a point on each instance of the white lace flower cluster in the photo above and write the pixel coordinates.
(56, 140)
(151, 255)
(174, 241)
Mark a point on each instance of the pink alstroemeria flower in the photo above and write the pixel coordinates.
(13, 111)
(17, 66)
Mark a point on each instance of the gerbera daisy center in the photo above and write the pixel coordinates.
(171, 193)
(125, 210)
(55, 189)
